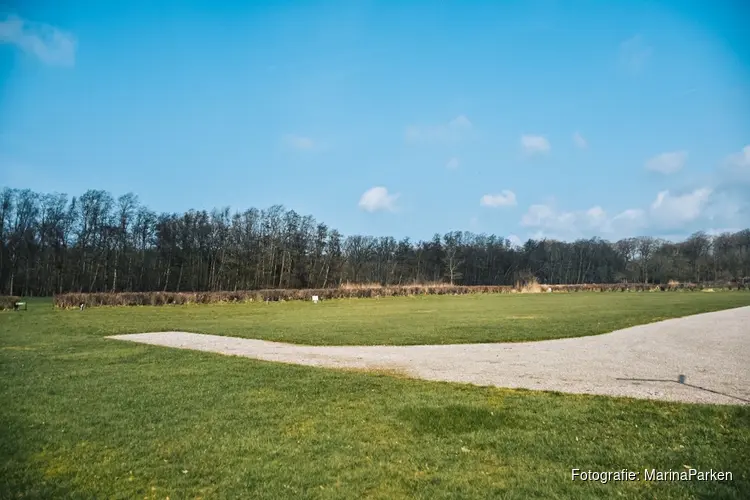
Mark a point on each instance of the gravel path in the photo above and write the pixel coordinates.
(712, 351)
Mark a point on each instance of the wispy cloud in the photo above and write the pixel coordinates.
(51, 45)
(579, 140)
(667, 163)
(740, 160)
(734, 173)
(460, 122)
(452, 131)
(535, 144)
(721, 201)
(668, 211)
(453, 163)
(298, 142)
(549, 221)
(378, 199)
(634, 54)
(671, 211)
(506, 198)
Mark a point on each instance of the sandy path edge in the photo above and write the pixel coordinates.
(712, 350)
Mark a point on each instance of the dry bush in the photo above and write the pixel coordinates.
(68, 300)
(378, 286)
(359, 286)
(435, 284)
(7, 301)
(531, 285)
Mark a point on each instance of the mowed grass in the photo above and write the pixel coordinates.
(87, 417)
(411, 320)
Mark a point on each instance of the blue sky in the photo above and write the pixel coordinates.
(525, 118)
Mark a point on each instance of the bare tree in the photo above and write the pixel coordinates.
(52, 244)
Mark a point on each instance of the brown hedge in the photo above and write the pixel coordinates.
(7, 301)
(68, 300)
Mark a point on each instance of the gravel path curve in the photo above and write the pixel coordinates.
(712, 350)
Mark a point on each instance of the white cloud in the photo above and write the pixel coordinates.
(515, 241)
(733, 177)
(596, 216)
(545, 217)
(535, 144)
(299, 142)
(724, 230)
(667, 163)
(378, 199)
(453, 163)
(722, 202)
(506, 198)
(579, 224)
(634, 53)
(452, 131)
(740, 160)
(579, 140)
(632, 215)
(51, 45)
(666, 212)
(670, 211)
(537, 215)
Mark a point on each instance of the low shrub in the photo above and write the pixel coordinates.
(7, 301)
(69, 300)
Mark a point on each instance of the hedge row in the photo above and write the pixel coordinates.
(7, 301)
(68, 300)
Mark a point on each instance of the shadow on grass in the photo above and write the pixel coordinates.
(686, 384)
(20, 473)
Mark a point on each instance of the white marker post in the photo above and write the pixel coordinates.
(315, 299)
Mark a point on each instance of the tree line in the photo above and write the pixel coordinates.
(50, 243)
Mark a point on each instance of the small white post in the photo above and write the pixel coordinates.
(315, 299)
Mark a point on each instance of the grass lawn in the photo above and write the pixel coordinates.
(410, 320)
(86, 417)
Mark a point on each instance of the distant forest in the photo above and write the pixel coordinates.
(96, 243)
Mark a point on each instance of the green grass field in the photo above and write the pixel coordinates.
(86, 417)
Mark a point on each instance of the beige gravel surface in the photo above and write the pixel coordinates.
(712, 350)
